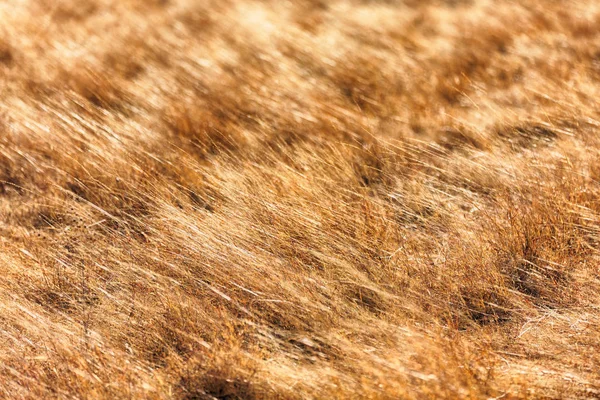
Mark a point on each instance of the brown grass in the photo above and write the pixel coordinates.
(308, 199)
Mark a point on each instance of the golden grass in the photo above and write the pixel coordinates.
(306, 199)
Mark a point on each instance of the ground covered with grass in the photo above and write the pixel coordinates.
(242, 199)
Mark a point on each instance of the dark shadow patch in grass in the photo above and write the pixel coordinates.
(527, 136)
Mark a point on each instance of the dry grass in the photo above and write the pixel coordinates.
(306, 199)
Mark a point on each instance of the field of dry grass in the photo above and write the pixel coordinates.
(241, 199)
